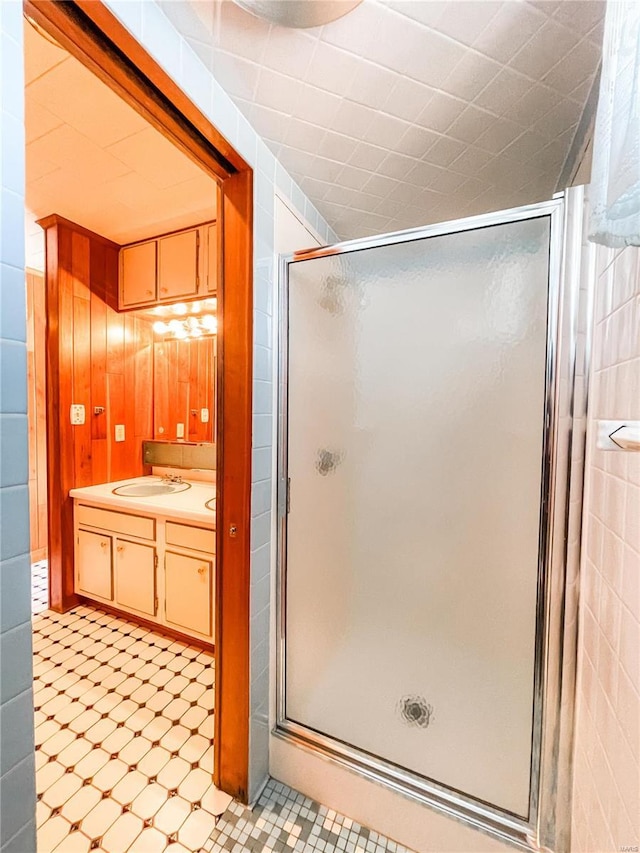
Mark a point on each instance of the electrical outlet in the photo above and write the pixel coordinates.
(204, 416)
(77, 415)
(119, 432)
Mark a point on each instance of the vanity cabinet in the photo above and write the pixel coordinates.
(135, 576)
(155, 567)
(189, 570)
(93, 565)
(188, 592)
(183, 265)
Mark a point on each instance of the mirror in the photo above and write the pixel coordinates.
(184, 379)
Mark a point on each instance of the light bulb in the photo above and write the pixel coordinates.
(210, 323)
(180, 308)
(160, 328)
(180, 333)
(174, 325)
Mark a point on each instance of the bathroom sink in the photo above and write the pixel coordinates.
(145, 490)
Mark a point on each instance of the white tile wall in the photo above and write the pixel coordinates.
(168, 45)
(606, 807)
(17, 779)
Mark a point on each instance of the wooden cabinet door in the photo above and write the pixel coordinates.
(135, 576)
(212, 257)
(93, 564)
(138, 274)
(178, 265)
(189, 592)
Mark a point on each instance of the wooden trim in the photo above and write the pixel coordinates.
(147, 623)
(92, 34)
(233, 509)
(60, 465)
(56, 219)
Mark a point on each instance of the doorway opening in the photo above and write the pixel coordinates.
(140, 379)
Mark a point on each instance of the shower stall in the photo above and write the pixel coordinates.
(431, 443)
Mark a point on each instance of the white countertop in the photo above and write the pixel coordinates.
(188, 504)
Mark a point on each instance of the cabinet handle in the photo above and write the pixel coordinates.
(202, 570)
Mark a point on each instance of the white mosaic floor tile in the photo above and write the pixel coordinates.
(284, 820)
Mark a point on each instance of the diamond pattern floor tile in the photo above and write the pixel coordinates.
(117, 733)
(124, 750)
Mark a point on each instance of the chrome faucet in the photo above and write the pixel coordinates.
(172, 478)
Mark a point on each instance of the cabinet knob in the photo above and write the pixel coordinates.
(163, 289)
(202, 570)
(103, 544)
(149, 292)
(120, 548)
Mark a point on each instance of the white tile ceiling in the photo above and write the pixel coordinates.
(406, 112)
(92, 159)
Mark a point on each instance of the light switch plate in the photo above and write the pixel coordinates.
(179, 430)
(204, 416)
(77, 415)
(119, 432)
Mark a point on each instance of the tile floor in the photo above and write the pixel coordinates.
(285, 821)
(124, 737)
(124, 750)
(39, 587)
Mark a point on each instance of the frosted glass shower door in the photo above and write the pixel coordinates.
(415, 406)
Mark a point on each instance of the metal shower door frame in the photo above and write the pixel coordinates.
(570, 268)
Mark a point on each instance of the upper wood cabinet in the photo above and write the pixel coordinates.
(183, 265)
(138, 274)
(178, 265)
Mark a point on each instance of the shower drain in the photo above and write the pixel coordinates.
(415, 711)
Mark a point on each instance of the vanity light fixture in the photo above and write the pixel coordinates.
(192, 327)
(210, 323)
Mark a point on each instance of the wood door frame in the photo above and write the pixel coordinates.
(94, 36)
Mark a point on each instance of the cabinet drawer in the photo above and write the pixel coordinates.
(187, 536)
(119, 522)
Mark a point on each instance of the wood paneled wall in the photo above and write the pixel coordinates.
(184, 383)
(97, 358)
(37, 409)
